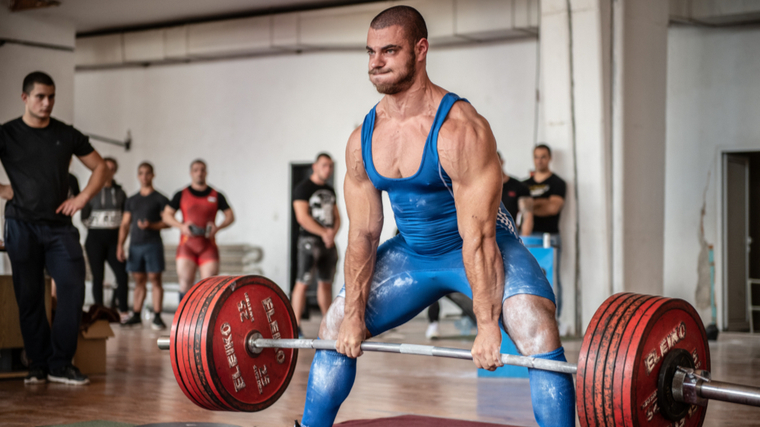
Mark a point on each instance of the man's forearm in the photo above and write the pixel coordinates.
(96, 181)
(311, 225)
(485, 272)
(361, 255)
(527, 224)
(229, 218)
(158, 226)
(170, 220)
(123, 232)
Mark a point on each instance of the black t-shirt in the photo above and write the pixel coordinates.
(145, 207)
(511, 191)
(221, 200)
(321, 200)
(552, 186)
(37, 163)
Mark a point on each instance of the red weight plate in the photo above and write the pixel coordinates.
(179, 346)
(666, 325)
(200, 371)
(249, 304)
(202, 397)
(605, 367)
(608, 347)
(585, 390)
(618, 394)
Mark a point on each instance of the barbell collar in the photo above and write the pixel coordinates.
(163, 343)
(696, 387)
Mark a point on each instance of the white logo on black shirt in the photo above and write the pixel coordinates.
(321, 205)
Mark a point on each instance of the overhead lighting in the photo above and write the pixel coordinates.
(19, 5)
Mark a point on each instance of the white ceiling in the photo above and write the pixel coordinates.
(104, 15)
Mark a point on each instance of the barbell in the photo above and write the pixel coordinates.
(644, 359)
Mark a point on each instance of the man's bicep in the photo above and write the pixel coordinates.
(301, 208)
(364, 206)
(91, 160)
(126, 218)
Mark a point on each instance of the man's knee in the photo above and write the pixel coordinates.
(155, 279)
(530, 322)
(330, 326)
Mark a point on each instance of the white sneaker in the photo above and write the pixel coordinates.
(432, 331)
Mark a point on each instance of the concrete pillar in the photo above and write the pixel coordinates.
(640, 32)
(603, 67)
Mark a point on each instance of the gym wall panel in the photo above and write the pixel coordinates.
(285, 31)
(235, 36)
(101, 50)
(175, 42)
(344, 27)
(144, 46)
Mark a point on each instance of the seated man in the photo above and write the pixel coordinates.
(455, 236)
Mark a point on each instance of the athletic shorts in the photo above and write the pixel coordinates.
(405, 283)
(313, 255)
(146, 258)
(198, 249)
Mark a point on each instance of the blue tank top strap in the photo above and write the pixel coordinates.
(432, 143)
(368, 128)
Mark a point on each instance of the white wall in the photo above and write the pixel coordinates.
(713, 105)
(249, 118)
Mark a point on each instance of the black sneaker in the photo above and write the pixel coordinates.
(36, 376)
(68, 375)
(157, 324)
(134, 320)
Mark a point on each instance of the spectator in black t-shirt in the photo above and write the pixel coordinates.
(142, 222)
(317, 214)
(517, 200)
(548, 191)
(36, 150)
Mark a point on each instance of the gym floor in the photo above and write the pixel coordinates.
(140, 387)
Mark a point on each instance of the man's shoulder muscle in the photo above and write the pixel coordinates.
(464, 133)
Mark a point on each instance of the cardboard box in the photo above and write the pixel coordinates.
(90, 357)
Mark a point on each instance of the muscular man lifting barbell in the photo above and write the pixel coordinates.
(436, 157)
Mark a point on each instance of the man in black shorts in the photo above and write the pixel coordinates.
(142, 222)
(516, 198)
(35, 150)
(319, 220)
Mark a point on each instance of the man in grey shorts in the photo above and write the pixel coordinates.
(319, 220)
(142, 222)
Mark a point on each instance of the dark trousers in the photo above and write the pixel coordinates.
(32, 248)
(101, 248)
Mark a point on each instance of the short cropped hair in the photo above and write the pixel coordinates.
(36, 77)
(146, 165)
(112, 160)
(407, 17)
(322, 154)
(198, 161)
(545, 147)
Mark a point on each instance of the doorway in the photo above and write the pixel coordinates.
(741, 227)
(298, 173)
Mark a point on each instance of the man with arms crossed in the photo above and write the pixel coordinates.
(197, 247)
(36, 150)
(516, 199)
(444, 187)
(142, 222)
(317, 214)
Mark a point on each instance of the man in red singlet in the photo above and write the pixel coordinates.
(197, 247)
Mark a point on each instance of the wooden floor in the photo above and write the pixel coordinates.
(140, 387)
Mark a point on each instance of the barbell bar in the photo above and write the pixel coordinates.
(644, 359)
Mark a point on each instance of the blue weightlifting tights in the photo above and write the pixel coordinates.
(332, 376)
(552, 393)
(330, 380)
